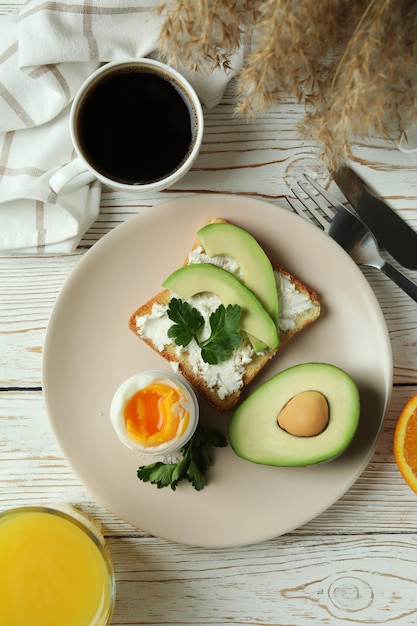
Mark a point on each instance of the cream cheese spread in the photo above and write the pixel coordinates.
(292, 302)
(225, 377)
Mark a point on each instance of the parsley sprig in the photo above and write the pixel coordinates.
(193, 466)
(188, 323)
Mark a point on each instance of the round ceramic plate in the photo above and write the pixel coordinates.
(89, 351)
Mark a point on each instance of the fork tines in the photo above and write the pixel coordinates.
(320, 209)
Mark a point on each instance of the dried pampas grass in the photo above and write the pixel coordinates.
(352, 63)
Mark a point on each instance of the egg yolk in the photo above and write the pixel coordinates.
(155, 415)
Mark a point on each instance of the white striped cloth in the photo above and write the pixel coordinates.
(47, 49)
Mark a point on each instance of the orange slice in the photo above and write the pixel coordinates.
(405, 443)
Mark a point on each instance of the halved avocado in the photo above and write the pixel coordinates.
(190, 280)
(254, 432)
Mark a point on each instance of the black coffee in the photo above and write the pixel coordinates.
(134, 126)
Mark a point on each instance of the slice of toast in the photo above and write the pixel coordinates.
(222, 384)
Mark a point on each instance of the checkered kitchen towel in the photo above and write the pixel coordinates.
(47, 49)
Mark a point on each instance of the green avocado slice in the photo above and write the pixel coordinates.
(255, 435)
(190, 280)
(224, 239)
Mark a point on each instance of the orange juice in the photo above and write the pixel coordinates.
(53, 571)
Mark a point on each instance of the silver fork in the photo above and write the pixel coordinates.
(348, 230)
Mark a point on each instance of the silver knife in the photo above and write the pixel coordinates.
(392, 232)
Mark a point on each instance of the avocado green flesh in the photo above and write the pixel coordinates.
(258, 275)
(254, 433)
(192, 279)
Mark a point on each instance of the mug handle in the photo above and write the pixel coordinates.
(71, 177)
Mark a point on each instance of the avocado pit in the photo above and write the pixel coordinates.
(305, 415)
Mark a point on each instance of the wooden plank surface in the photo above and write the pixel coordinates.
(356, 562)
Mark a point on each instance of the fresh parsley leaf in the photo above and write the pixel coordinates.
(195, 476)
(188, 321)
(225, 334)
(224, 324)
(195, 462)
(158, 473)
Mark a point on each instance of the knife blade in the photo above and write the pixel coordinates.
(392, 232)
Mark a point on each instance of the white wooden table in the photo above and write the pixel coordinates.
(356, 562)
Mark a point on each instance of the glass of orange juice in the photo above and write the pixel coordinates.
(54, 570)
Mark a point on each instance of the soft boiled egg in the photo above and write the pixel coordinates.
(154, 412)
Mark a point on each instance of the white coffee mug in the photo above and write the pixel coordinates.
(135, 126)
